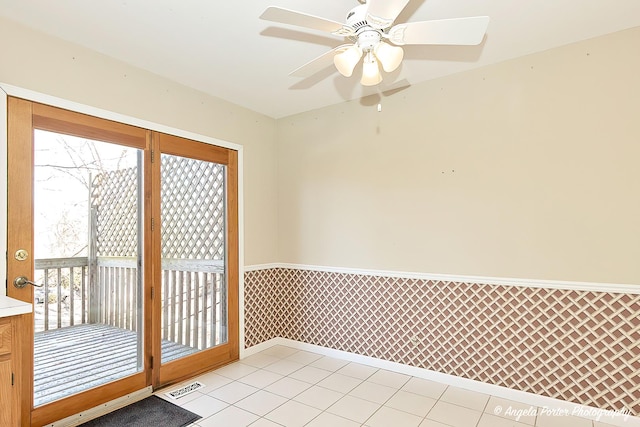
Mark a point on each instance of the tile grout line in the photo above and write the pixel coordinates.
(483, 411)
(363, 379)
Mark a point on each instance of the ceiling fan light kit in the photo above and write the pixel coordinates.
(346, 61)
(370, 71)
(390, 56)
(370, 31)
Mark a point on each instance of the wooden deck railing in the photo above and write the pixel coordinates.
(113, 292)
(62, 300)
(193, 302)
(192, 297)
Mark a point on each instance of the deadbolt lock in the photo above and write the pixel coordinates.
(21, 255)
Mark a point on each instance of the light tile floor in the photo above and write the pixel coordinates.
(283, 386)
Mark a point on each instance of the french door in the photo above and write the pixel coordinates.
(126, 242)
(196, 252)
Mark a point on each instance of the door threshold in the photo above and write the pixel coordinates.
(103, 409)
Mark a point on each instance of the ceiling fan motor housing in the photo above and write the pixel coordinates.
(357, 17)
(368, 37)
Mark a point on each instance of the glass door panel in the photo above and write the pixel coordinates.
(194, 296)
(88, 257)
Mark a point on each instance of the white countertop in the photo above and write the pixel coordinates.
(13, 307)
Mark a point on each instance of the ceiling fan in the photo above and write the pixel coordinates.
(369, 29)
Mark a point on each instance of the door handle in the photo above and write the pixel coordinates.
(22, 281)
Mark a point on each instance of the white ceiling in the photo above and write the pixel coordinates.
(224, 49)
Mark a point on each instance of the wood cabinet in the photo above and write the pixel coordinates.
(9, 378)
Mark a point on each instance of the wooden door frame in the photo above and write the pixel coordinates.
(204, 360)
(20, 221)
(24, 117)
(97, 397)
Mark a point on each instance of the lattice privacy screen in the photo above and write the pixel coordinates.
(192, 210)
(114, 205)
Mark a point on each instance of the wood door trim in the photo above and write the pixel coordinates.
(222, 354)
(155, 274)
(60, 409)
(148, 259)
(19, 221)
(56, 119)
(19, 191)
(204, 361)
(178, 146)
(21, 124)
(233, 255)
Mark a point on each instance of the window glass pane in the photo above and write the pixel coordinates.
(194, 287)
(88, 257)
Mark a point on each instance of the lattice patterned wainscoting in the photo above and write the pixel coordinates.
(578, 346)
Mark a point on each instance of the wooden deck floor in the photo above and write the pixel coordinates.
(77, 358)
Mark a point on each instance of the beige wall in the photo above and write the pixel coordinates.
(523, 169)
(40, 63)
(528, 169)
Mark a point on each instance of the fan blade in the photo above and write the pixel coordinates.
(319, 63)
(460, 31)
(286, 16)
(382, 13)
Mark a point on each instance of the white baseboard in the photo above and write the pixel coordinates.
(103, 409)
(263, 346)
(536, 401)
